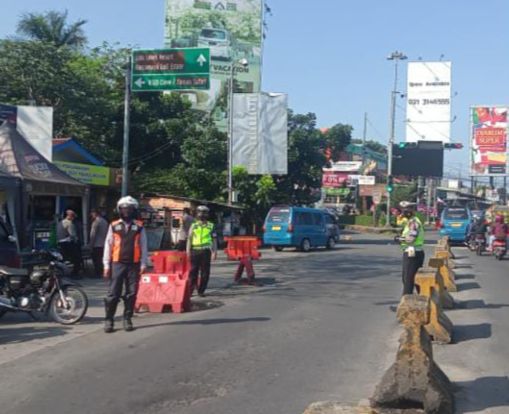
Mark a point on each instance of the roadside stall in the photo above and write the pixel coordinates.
(39, 184)
(162, 215)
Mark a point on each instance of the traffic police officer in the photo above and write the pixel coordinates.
(201, 247)
(125, 258)
(412, 243)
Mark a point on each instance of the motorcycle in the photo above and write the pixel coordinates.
(480, 244)
(499, 248)
(43, 290)
(472, 242)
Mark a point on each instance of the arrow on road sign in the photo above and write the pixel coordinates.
(139, 82)
(202, 60)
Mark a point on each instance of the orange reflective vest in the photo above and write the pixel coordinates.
(126, 242)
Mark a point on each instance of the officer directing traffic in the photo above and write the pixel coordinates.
(201, 247)
(412, 243)
(125, 258)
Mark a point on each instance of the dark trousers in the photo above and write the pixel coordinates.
(71, 251)
(200, 263)
(410, 267)
(182, 245)
(122, 274)
(97, 258)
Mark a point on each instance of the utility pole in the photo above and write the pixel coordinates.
(364, 133)
(396, 57)
(125, 151)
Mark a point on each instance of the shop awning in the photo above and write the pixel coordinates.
(20, 160)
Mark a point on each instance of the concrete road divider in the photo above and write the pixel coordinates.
(447, 273)
(414, 380)
(445, 254)
(439, 326)
(445, 243)
(428, 279)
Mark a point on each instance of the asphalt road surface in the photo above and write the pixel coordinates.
(320, 328)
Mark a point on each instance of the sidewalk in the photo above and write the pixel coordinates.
(20, 335)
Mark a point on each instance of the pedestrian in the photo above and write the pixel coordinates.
(98, 233)
(185, 225)
(68, 241)
(412, 243)
(125, 259)
(201, 248)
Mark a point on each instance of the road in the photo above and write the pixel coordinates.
(320, 328)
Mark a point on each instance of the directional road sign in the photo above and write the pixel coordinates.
(170, 69)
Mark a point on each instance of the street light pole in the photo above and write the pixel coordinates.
(125, 151)
(243, 63)
(230, 134)
(396, 56)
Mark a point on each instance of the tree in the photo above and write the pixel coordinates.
(337, 139)
(305, 161)
(52, 27)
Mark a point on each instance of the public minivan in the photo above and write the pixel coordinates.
(455, 223)
(299, 227)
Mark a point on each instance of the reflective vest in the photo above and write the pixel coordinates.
(202, 235)
(126, 244)
(419, 240)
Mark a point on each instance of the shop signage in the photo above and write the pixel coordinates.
(87, 174)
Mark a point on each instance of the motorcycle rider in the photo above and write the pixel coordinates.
(498, 231)
(125, 258)
(412, 243)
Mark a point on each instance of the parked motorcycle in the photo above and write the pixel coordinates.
(499, 248)
(44, 290)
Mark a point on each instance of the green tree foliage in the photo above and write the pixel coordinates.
(337, 139)
(256, 193)
(305, 161)
(52, 27)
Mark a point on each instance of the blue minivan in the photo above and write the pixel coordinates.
(455, 222)
(299, 227)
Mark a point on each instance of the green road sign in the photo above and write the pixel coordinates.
(170, 69)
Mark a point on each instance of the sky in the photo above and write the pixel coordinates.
(330, 55)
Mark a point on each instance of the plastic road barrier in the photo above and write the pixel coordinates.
(168, 286)
(245, 250)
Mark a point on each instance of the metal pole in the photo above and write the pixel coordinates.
(391, 141)
(230, 135)
(125, 152)
(364, 133)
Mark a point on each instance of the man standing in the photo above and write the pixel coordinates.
(98, 233)
(412, 243)
(185, 226)
(201, 247)
(68, 241)
(125, 258)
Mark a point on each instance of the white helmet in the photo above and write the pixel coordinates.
(127, 201)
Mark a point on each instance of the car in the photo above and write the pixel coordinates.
(455, 223)
(300, 227)
(9, 255)
(218, 40)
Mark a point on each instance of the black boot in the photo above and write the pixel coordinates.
(128, 313)
(110, 308)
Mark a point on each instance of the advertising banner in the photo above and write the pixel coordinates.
(488, 141)
(345, 166)
(428, 109)
(232, 30)
(260, 132)
(332, 179)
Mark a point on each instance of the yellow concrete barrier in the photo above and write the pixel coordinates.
(439, 326)
(448, 276)
(414, 380)
(444, 254)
